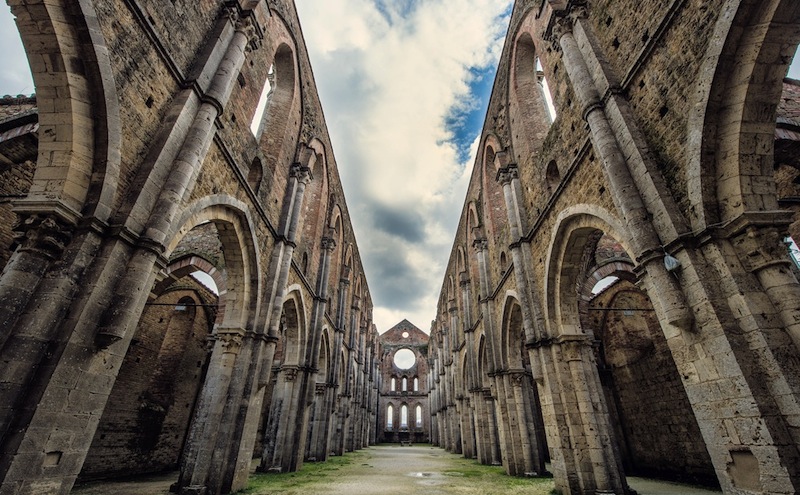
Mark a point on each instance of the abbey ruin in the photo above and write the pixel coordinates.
(619, 299)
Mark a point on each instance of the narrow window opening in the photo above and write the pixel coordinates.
(545, 89)
(404, 416)
(394, 385)
(416, 384)
(553, 177)
(257, 125)
(389, 417)
(418, 415)
(255, 175)
(405, 384)
(794, 251)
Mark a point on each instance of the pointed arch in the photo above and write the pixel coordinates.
(276, 123)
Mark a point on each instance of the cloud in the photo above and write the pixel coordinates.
(15, 75)
(404, 84)
(401, 223)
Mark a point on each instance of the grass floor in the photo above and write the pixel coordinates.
(397, 470)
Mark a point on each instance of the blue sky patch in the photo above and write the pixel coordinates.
(465, 120)
(391, 10)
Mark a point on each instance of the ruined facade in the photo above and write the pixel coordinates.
(143, 159)
(620, 298)
(403, 413)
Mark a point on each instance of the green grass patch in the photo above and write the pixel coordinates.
(309, 473)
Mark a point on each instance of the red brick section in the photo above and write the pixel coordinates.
(143, 428)
(404, 335)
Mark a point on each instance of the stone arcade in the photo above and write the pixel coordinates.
(619, 297)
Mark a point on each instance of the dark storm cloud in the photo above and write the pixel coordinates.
(404, 224)
(393, 280)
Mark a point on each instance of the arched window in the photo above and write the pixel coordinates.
(404, 416)
(416, 384)
(405, 384)
(418, 416)
(257, 125)
(389, 417)
(394, 385)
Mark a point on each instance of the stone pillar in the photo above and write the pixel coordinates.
(493, 444)
(599, 462)
(202, 439)
(530, 447)
(315, 392)
(333, 407)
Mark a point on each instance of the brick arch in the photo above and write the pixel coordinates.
(731, 132)
(79, 136)
(188, 264)
(513, 334)
(620, 269)
(526, 98)
(294, 334)
(237, 236)
(575, 227)
(492, 199)
(312, 223)
(284, 102)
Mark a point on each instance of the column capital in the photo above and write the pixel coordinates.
(289, 373)
(328, 244)
(43, 234)
(301, 173)
(480, 244)
(230, 339)
(507, 174)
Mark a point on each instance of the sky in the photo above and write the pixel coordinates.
(404, 85)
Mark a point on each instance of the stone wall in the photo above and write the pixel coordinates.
(144, 428)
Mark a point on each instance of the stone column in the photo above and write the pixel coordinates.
(316, 393)
(530, 446)
(493, 444)
(202, 438)
(335, 401)
(41, 239)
